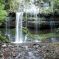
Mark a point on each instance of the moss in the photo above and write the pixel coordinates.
(41, 36)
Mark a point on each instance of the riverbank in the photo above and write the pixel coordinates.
(30, 51)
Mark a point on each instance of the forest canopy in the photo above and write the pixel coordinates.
(13, 5)
(52, 5)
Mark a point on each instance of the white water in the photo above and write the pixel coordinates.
(19, 17)
(8, 28)
(19, 35)
(36, 24)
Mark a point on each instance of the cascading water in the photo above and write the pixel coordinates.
(52, 25)
(8, 27)
(36, 24)
(32, 9)
(19, 35)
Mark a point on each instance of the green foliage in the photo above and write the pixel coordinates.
(3, 12)
(14, 5)
(26, 31)
(56, 6)
(46, 10)
(3, 38)
(3, 15)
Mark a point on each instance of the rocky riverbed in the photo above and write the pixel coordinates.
(30, 51)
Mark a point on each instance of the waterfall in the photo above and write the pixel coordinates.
(32, 9)
(36, 24)
(7, 26)
(19, 35)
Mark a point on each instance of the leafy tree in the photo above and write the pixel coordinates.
(3, 12)
(56, 6)
(13, 5)
(3, 38)
(53, 5)
(3, 15)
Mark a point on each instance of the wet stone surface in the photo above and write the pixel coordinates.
(32, 51)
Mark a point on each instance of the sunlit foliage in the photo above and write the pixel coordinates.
(3, 12)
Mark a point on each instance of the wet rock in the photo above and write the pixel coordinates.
(31, 51)
(6, 53)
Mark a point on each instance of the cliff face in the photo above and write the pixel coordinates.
(51, 20)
